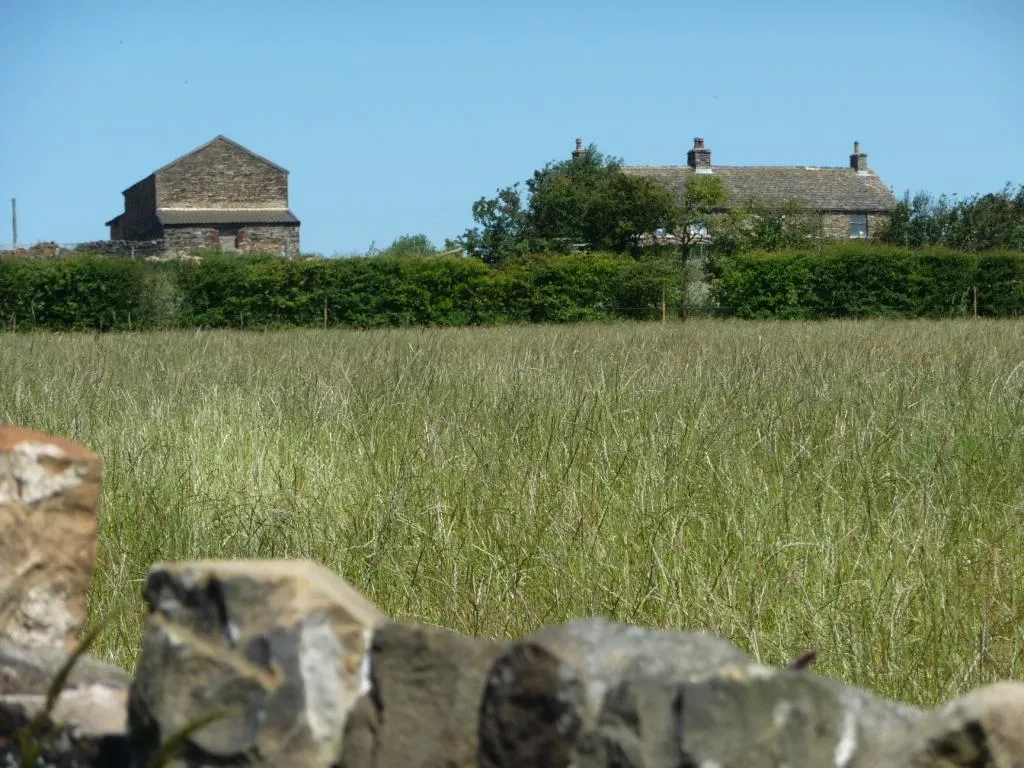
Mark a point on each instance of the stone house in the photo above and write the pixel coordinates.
(219, 195)
(852, 200)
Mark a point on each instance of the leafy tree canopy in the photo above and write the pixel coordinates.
(410, 246)
(583, 202)
(766, 225)
(979, 223)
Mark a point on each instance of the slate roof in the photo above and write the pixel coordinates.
(172, 216)
(821, 189)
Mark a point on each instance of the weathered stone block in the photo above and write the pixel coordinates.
(982, 728)
(49, 491)
(422, 710)
(60, 746)
(278, 648)
(88, 721)
(744, 715)
(29, 669)
(596, 693)
(544, 694)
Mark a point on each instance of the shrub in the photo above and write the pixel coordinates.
(87, 292)
(259, 291)
(868, 280)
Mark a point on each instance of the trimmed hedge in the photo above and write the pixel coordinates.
(846, 280)
(220, 291)
(869, 280)
(80, 293)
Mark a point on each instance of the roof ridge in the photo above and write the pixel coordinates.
(223, 208)
(820, 187)
(751, 167)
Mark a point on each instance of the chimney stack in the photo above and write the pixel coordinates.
(858, 160)
(579, 151)
(699, 158)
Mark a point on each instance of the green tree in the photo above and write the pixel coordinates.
(766, 225)
(919, 221)
(501, 230)
(704, 201)
(410, 246)
(624, 209)
(989, 222)
(561, 195)
(586, 201)
(979, 223)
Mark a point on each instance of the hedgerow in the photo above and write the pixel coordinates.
(869, 280)
(258, 291)
(224, 291)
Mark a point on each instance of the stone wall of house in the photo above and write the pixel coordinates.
(837, 225)
(139, 220)
(876, 221)
(185, 240)
(282, 239)
(283, 663)
(221, 176)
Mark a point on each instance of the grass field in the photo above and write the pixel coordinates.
(854, 487)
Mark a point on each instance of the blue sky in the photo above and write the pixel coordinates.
(393, 116)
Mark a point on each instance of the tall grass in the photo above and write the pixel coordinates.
(857, 487)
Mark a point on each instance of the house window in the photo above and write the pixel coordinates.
(858, 225)
(228, 238)
(697, 231)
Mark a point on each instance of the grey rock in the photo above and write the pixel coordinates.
(981, 729)
(544, 694)
(92, 702)
(59, 746)
(29, 669)
(88, 723)
(277, 651)
(596, 693)
(422, 709)
(736, 716)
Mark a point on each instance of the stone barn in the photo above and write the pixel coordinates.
(219, 195)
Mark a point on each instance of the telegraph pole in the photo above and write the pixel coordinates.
(14, 222)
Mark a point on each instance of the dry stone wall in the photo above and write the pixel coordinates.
(132, 249)
(283, 663)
